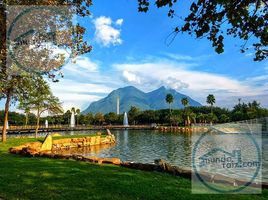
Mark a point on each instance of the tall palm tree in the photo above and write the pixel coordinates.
(73, 110)
(169, 100)
(211, 100)
(77, 113)
(185, 102)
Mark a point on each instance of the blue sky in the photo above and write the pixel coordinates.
(130, 48)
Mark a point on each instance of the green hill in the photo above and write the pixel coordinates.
(131, 96)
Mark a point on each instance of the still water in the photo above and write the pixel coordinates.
(176, 149)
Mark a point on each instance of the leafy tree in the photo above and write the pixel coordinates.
(67, 116)
(99, 118)
(89, 118)
(169, 100)
(148, 117)
(210, 117)
(214, 19)
(111, 118)
(12, 88)
(224, 118)
(133, 114)
(40, 100)
(12, 80)
(176, 119)
(200, 117)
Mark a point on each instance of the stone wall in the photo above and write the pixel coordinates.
(82, 142)
(51, 144)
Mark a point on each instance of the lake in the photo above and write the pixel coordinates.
(176, 149)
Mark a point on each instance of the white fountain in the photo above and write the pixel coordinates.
(125, 122)
(46, 123)
(72, 122)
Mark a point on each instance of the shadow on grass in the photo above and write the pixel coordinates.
(43, 178)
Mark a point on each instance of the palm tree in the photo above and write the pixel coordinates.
(77, 113)
(185, 102)
(169, 100)
(211, 100)
(73, 110)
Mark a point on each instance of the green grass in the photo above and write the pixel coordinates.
(43, 178)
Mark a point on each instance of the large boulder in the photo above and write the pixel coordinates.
(47, 144)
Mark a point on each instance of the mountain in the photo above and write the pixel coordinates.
(131, 96)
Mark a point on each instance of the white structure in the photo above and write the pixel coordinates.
(46, 123)
(72, 122)
(125, 122)
(7, 125)
(117, 106)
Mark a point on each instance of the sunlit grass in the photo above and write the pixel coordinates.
(43, 178)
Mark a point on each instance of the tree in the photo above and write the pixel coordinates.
(169, 100)
(76, 112)
(133, 114)
(224, 118)
(211, 118)
(211, 100)
(213, 19)
(184, 102)
(12, 81)
(40, 100)
(176, 119)
(89, 118)
(77, 115)
(11, 89)
(99, 118)
(111, 118)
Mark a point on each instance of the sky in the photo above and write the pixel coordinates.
(132, 48)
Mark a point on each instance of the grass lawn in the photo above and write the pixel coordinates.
(43, 178)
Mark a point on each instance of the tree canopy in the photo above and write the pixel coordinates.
(216, 19)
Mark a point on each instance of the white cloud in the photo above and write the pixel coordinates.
(78, 94)
(179, 57)
(82, 63)
(175, 83)
(119, 22)
(106, 34)
(131, 77)
(196, 84)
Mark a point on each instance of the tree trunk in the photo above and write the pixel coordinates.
(4, 131)
(3, 66)
(26, 119)
(37, 122)
(170, 115)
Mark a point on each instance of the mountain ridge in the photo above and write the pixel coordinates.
(132, 96)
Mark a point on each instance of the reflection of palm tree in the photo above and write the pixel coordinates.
(169, 100)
